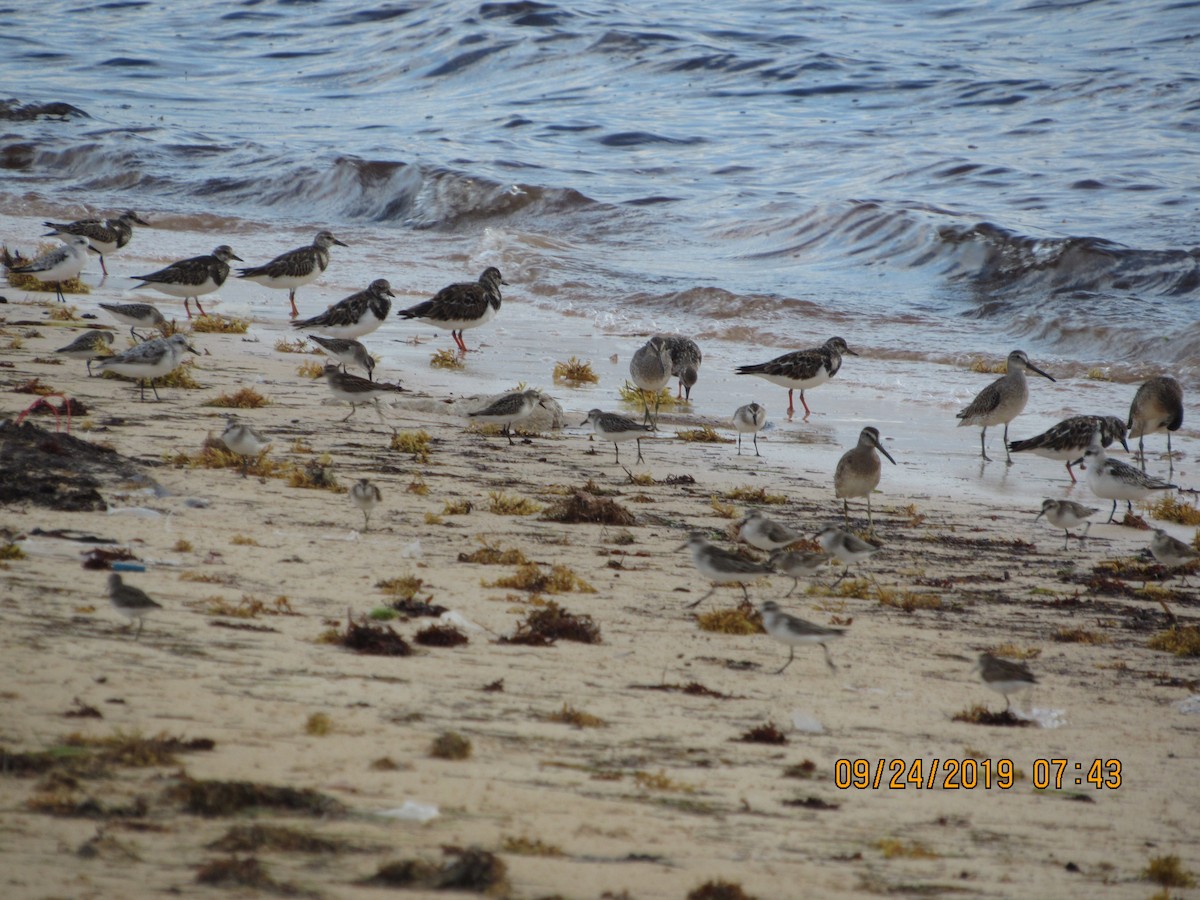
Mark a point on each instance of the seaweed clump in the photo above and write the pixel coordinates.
(981, 715)
(764, 734)
(551, 623)
(211, 797)
(719, 890)
(584, 507)
(472, 869)
(376, 640)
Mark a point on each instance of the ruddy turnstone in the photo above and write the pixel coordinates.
(858, 472)
(347, 353)
(1001, 401)
(749, 419)
(1066, 514)
(1068, 440)
(92, 344)
(685, 362)
(1004, 676)
(357, 391)
(616, 428)
(458, 307)
(1114, 480)
(192, 278)
(1157, 406)
(149, 360)
(795, 632)
(131, 602)
(366, 496)
(135, 314)
(722, 567)
(103, 235)
(244, 440)
(650, 369)
(357, 315)
(295, 268)
(508, 410)
(59, 265)
(802, 369)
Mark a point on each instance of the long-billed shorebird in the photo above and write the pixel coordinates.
(295, 268)
(764, 533)
(795, 632)
(59, 265)
(103, 235)
(149, 360)
(458, 307)
(802, 369)
(650, 369)
(90, 345)
(1157, 406)
(359, 314)
(685, 362)
(135, 315)
(1004, 676)
(1067, 514)
(1114, 480)
(1172, 552)
(617, 428)
(858, 472)
(244, 440)
(797, 564)
(346, 352)
(357, 391)
(722, 567)
(1001, 401)
(192, 278)
(1068, 440)
(509, 409)
(131, 602)
(749, 419)
(848, 549)
(366, 496)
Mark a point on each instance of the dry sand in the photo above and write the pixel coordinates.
(662, 796)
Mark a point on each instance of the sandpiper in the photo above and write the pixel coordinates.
(59, 265)
(1114, 480)
(1157, 406)
(103, 235)
(722, 567)
(244, 440)
(1001, 401)
(650, 369)
(192, 278)
(1004, 676)
(1172, 552)
(749, 419)
(149, 360)
(508, 410)
(347, 353)
(458, 307)
(295, 268)
(763, 533)
(357, 391)
(356, 315)
(795, 632)
(135, 315)
(797, 564)
(802, 369)
(1067, 514)
(1068, 440)
(617, 428)
(858, 472)
(685, 362)
(92, 344)
(848, 549)
(366, 497)
(131, 602)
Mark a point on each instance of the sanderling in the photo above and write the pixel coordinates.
(150, 360)
(244, 440)
(357, 391)
(508, 410)
(295, 268)
(801, 370)
(1157, 406)
(347, 352)
(458, 307)
(1114, 480)
(59, 265)
(90, 345)
(131, 602)
(617, 428)
(135, 314)
(1001, 401)
(1068, 440)
(1004, 676)
(722, 567)
(796, 565)
(366, 497)
(650, 369)
(356, 315)
(1066, 514)
(192, 278)
(103, 235)
(795, 632)
(763, 533)
(749, 419)
(858, 472)
(685, 362)
(848, 549)
(1172, 552)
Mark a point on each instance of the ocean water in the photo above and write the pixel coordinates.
(930, 180)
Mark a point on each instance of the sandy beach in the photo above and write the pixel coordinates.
(613, 769)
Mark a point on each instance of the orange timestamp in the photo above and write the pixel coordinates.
(971, 774)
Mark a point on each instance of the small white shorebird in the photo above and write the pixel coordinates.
(617, 428)
(244, 440)
(1001, 401)
(59, 265)
(192, 278)
(509, 409)
(366, 497)
(858, 472)
(458, 307)
(150, 360)
(802, 370)
(1068, 440)
(796, 632)
(685, 362)
(131, 602)
(749, 419)
(797, 564)
(1114, 480)
(848, 549)
(103, 235)
(357, 391)
(90, 345)
(356, 315)
(764, 533)
(1172, 552)
(722, 567)
(1157, 406)
(347, 353)
(650, 369)
(1004, 676)
(295, 268)
(135, 315)
(1067, 514)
